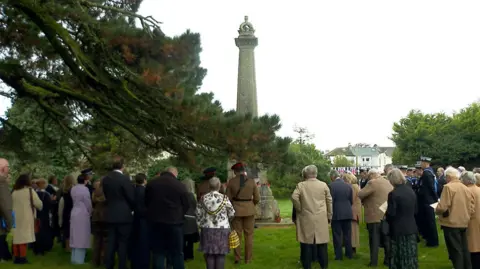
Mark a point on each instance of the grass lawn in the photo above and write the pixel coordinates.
(274, 248)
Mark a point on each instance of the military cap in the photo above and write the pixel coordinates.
(425, 159)
(403, 167)
(237, 166)
(418, 165)
(210, 171)
(410, 168)
(87, 172)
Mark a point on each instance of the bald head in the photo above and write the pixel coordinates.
(4, 169)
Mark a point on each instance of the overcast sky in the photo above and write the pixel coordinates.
(346, 70)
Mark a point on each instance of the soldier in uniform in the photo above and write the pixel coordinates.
(203, 187)
(427, 195)
(244, 195)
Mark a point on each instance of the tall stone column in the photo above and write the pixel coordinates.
(247, 82)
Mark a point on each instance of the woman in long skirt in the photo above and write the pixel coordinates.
(400, 216)
(357, 210)
(80, 221)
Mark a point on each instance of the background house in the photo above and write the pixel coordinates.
(363, 155)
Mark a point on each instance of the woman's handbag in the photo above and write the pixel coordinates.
(233, 240)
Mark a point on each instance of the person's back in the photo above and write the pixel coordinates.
(166, 199)
(119, 195)
(401, 217)
(373, 196)
(459, 203)
(342, 200)
(316, 208)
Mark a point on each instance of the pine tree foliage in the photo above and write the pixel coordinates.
(89, 67)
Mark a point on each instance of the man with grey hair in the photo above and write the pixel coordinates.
(6, 220)
(455, 209)
(373, 196)
(387, 168)
(313, 204)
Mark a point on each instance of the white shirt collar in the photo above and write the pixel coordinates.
(118, 171)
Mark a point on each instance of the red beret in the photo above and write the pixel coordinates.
(237, 166)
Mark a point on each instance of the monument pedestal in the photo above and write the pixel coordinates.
(267, 209)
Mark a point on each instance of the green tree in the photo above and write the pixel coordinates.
(88, 66)
(342, 161)
(449, 140)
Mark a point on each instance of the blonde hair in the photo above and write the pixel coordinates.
(68, 182)
(350, 178)
(41, 183)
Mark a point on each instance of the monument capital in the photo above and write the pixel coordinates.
(246, 29)
(246, 42)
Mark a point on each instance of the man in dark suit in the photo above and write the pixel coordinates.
(427, 195)
(342, 215)
(120, 204)
(166, 200)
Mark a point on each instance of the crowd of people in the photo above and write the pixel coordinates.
(401, 206)
(156, 223)
(149, 225)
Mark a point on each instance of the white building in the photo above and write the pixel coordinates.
(364, 156)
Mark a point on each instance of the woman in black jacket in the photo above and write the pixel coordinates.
(402, 207)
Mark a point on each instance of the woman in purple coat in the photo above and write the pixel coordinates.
(80, 221)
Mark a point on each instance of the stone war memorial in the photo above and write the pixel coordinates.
(267, 209)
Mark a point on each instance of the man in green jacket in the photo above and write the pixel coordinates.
(6, 220)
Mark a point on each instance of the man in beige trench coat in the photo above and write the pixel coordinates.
(313, 205)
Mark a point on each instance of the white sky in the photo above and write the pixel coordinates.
(346, 70)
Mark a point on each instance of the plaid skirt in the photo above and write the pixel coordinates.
(214, 241)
